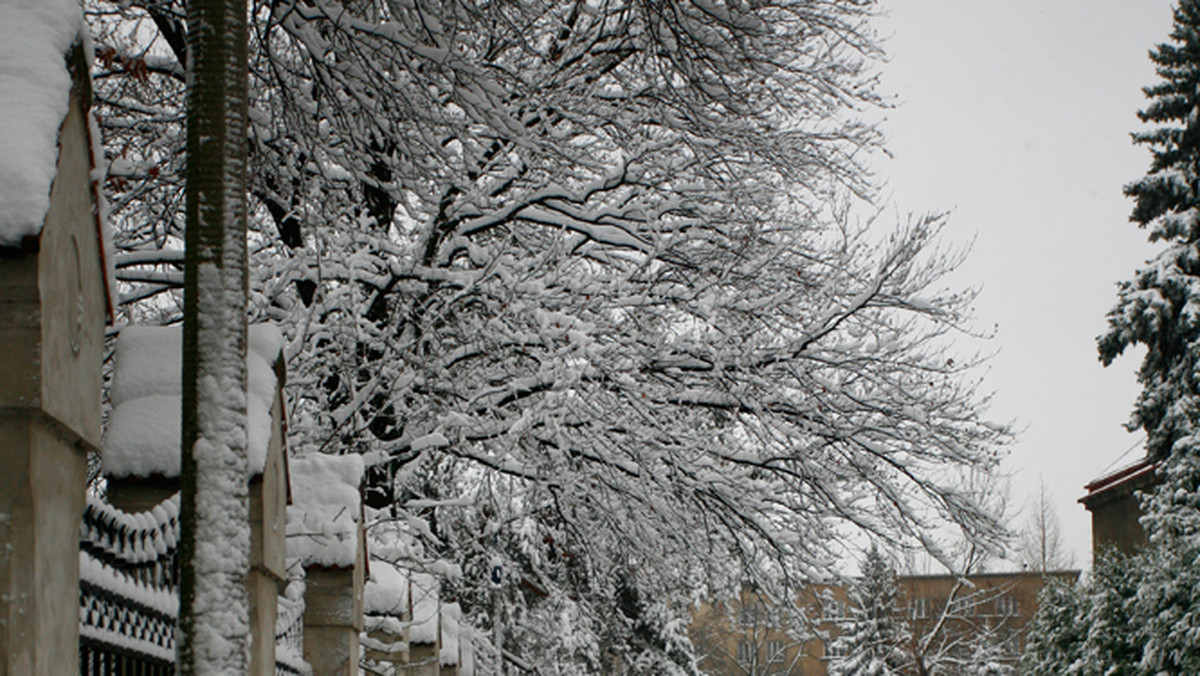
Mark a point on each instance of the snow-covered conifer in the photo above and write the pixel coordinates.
(1111, 647)
(1056, 634)
(1158, 308)
(871, 642)
(1165, 613)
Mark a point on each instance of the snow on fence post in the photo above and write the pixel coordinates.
(325, 535)
(142, 457)
(53, 306)
(450, 632)
(386, 618)
(424, 632)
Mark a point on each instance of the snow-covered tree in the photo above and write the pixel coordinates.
(1157, 308)
(1164, 610)
(1133, 616)
(1055, 636)
(1111, 645)
(750, 635)
(871, 642)
(958, 634)
(589, 266)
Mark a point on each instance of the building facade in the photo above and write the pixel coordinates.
(950, 621)
(1113, 503)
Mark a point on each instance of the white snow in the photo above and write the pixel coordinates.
(34, 92)
(451, 622)
(143, 433)
(424, 627)
(386, 592)
(435, 440)
(143, 437)
(323, 519)
(466, 652)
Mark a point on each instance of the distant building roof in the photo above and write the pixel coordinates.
(998, 575)
(1124, 480)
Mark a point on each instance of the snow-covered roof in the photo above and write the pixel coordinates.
(143, 434)
(323, 518)
(35, 89)
(1124, 480)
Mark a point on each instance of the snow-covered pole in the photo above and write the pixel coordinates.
(498, 626)
(496, 577)
(215, 543)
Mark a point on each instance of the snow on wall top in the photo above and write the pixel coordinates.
(144, 428)
(451, 626)
(35, 89)
(386, 593)
(322, 526)
(425, 606)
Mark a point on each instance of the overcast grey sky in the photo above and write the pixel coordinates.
(1015, 116)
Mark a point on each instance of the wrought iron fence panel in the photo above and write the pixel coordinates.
(128, 598)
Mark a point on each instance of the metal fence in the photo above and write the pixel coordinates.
(128, 595)
(289, 633)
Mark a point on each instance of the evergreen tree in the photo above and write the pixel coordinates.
(1057, 632)
(1165, 613)
(1111, 647)
(1158, 308)
(870, 644)
(1146, 606)
(987, 657)
(1135, 616)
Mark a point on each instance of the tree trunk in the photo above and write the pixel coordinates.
(215, 544)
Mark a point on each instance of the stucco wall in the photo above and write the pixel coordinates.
(268, 502)
(20, 334)
(71, 285)
(268, 505)
(39, 541)
(52, 313)
(333, 619)
(263, 590)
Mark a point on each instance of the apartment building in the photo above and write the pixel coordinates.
(950, 619)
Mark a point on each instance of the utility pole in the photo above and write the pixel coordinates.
(215, 533)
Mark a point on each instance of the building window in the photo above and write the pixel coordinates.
(833, 650)
(748, 614)
(1012, 645)
(774, 651)
(833, 609)
(920, 608)
(745, 653)
(1007, 606)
